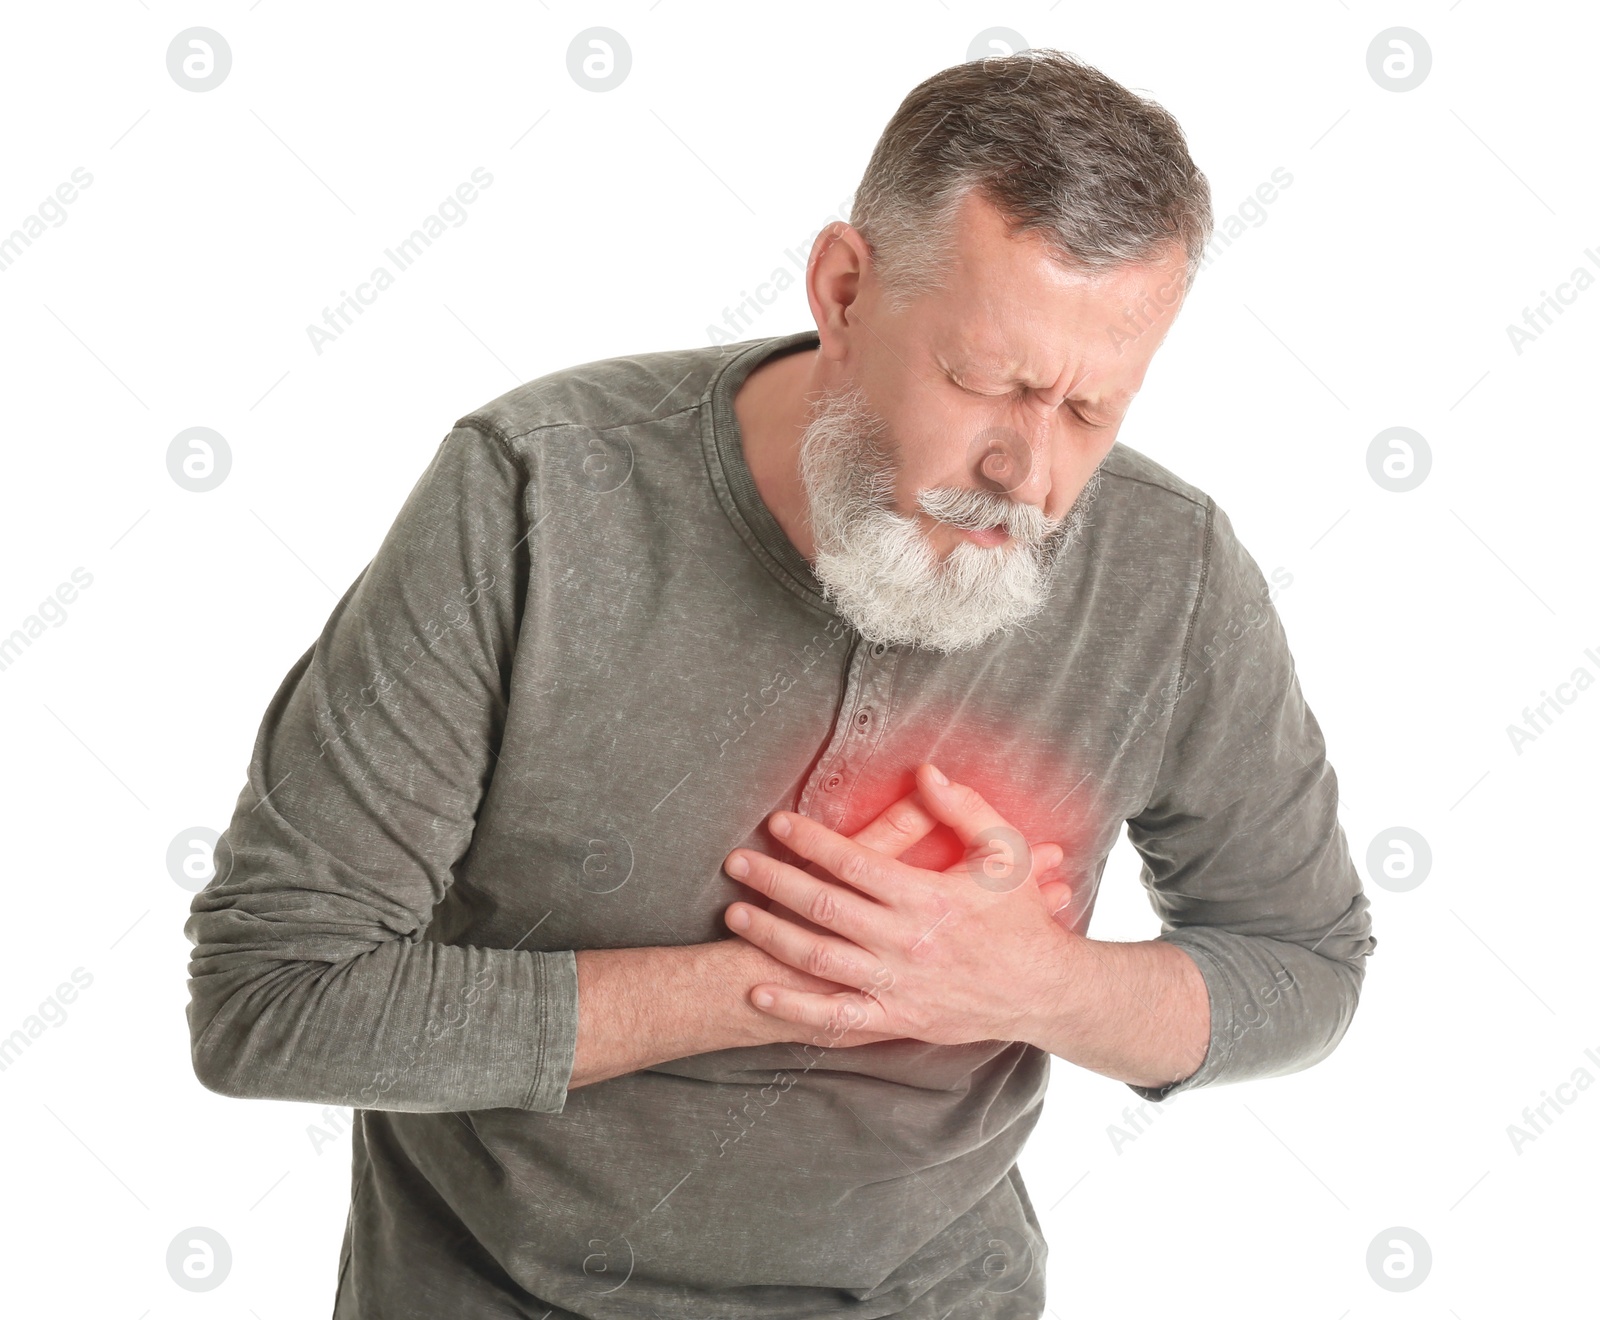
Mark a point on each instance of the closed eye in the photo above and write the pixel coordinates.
(1022, 391)
(1017, 393)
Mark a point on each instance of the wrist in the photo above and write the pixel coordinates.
(1057, 995)
(737, 966)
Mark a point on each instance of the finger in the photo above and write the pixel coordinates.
(998, 857)
(1057, 896)
(824, 956)
(897, 826)
(860, 868)
(1046, 857)
(832, 1016)
(967, 812)
(835, 907)
(1005, 865)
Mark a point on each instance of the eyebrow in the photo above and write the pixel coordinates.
(1007, 374)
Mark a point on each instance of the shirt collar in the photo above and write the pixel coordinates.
(737, 488)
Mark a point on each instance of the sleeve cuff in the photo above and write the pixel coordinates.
(558, 1030)
(1214, 1066)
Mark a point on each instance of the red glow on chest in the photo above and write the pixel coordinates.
(1020, 770)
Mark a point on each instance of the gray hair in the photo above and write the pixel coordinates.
(1054, 145)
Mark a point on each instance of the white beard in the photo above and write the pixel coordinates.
(878, 567)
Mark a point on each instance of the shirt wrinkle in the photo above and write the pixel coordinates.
(439, 811)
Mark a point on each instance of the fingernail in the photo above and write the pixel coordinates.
(738, 918)
(763, 999)
(780, 826)
(738, 866)
(937, 775)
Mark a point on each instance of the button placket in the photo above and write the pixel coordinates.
(857, 728)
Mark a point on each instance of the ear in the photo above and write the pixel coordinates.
(834, 273)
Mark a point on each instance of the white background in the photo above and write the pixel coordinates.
(1376, 293)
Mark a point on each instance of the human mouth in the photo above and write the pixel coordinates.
(988, 536)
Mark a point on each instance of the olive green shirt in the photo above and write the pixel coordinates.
(585, 664)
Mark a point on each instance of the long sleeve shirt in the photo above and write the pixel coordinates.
(584, 664)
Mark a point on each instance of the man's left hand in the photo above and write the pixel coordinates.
(968, 954)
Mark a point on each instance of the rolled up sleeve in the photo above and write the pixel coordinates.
(311, 977)
(1244, 858)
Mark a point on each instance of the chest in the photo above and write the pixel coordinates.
(636, 757)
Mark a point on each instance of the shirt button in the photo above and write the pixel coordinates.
(863, 719)
(832, 782)
(879, 648)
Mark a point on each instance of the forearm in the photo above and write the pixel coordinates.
(1136, 1012)
(413, 1027)
(643, 1006)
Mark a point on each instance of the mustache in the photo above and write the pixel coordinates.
(974, 510)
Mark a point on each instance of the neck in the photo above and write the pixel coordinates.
(771, 408)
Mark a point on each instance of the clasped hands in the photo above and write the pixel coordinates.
(972, 953)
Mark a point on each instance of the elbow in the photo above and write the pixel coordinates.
(239, 1032)
(1342, 999)
(216, 1078)
(217, 1040)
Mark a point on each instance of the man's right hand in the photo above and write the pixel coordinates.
(891, 832)
(640, 1007)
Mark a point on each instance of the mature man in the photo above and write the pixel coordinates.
(688, 643)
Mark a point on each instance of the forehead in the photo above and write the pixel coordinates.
(1011, 310)
(1094, 347)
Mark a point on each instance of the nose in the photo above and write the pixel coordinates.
(1014, 464)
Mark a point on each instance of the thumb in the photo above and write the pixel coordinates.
(1046, 857)
(1057, 895)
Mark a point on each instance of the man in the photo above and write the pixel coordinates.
(881, 611)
